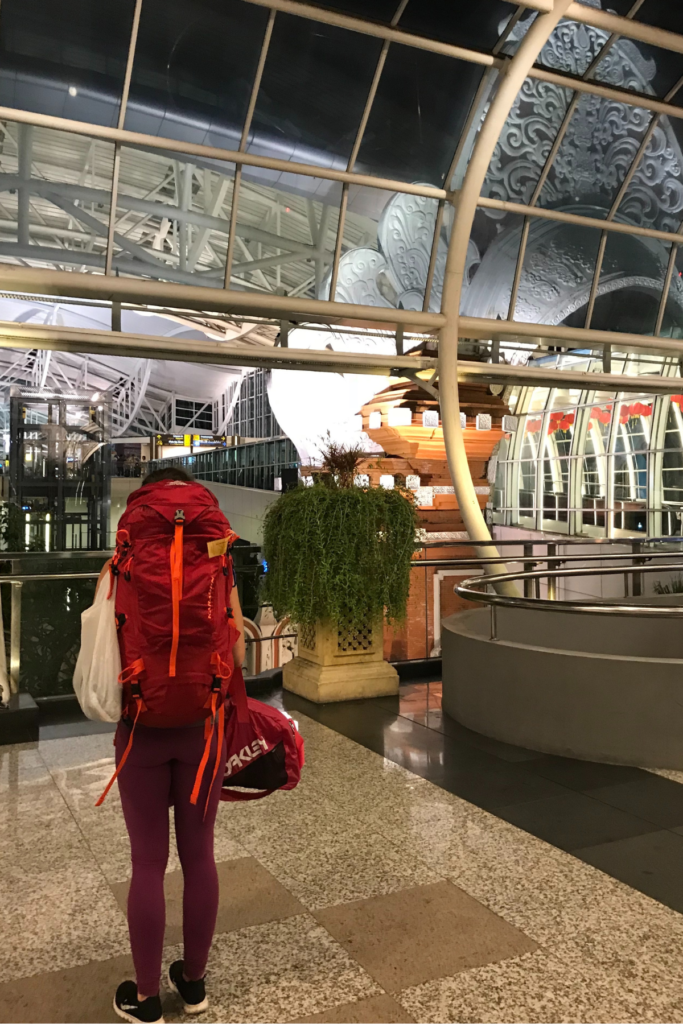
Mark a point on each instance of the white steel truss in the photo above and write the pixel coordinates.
(183, 232)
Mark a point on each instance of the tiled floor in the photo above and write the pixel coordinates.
(367, 894)
(626, 821)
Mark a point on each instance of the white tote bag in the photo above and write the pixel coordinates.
(96, 676)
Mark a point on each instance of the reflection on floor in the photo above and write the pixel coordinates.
(626, 821)
(367, 894)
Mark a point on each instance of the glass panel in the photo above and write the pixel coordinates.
(526, 141)
(477, 26)
(672, 470)
(374, 10)
(572, 47)
(194, 68)
(386, 249)
(631, 65)
(557, 274)
(555, 489)
(313, 92)
(60, 216)
(172, 218)
(641, 68)
(499, 496)
(594, 474)
(538, 400)
(286, 234)
(531, 441)
(491, 264)
(247, 465)
(51, 616)
(663, 14)
(630, 289)
(557, 447)
(68, 61)
(595, 155)
(654, 197)
(673, 313)
(631, 465)
(414, 126)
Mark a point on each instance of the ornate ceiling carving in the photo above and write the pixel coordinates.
(594, 157)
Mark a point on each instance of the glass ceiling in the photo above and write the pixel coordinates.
(233, 75)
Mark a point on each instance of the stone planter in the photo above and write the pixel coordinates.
(340, 664)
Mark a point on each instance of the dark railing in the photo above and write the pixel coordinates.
(253, 464)
(49, 592)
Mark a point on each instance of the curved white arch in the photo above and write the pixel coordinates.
(467, 199)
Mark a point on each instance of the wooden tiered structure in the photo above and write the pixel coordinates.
(415, 450)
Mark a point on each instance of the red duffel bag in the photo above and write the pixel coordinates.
(265, 749)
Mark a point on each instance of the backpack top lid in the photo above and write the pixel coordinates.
(172, 492)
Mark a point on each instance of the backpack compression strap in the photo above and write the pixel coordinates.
(238, 696)
(217, 718)
(132, 672)
(176, 585)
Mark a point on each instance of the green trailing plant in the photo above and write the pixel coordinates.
(675, 587)
(339, 553)
(12, 525)
(12, 530)
(340, 463)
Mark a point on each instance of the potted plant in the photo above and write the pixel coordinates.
(338, 556)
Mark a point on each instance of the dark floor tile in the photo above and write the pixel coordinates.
(492, 783)
(505, 751)
(573, 820)
(76, 726)
(78, 994)
(651, 797)
(581, 775)
(375, 1008)
(651, 863)
(391, 702)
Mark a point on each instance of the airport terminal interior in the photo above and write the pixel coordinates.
(400, 282)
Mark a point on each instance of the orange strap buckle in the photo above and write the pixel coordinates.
(176, 585)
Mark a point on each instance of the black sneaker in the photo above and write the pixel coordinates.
(192, 993)
(128, 1006)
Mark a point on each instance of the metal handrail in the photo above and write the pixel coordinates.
(486, 560)
(17, 582)
(470, 590)
(559, 538)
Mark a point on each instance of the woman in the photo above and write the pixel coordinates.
(160, 772)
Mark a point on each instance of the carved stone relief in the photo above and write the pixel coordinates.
(597, 151)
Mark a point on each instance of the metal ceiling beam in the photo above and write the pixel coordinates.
(373, 28)
(45, 338)
(84, 193)
(181, 148)
(246, 128)
(195, 297)
(638, 30)
(568, 337)
(82, 340)
(610, 23)
(510, 83)
(545, 213)
(634, 99)
(532, 376)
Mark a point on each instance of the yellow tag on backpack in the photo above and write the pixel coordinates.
(217, 547)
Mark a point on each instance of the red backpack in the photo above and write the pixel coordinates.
(265, 749)
(175, 627)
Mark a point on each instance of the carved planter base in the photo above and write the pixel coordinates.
(345, 663)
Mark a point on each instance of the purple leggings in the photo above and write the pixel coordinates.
(160, 771)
